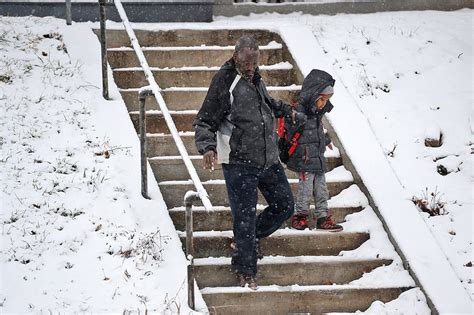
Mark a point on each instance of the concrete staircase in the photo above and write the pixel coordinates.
(184, 62)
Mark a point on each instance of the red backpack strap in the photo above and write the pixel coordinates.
(281, 127)
(282, 132)
(294, 143)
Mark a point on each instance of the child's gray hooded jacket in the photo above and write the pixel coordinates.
(309, 154)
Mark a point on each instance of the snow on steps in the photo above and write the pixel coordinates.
(297, 252)
(276, 300)
(187, 56)
(221, 219)
(337, 180)
(349, 201)
(171, 168)
(194, 76)
(283, 243)
(185, 98)
(187, 37)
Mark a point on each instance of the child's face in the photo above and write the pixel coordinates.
(322, 101)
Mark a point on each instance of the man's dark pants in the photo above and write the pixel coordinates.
(242, 182)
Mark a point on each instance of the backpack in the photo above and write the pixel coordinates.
(287, 142)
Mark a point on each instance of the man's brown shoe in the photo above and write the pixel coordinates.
(247, 280)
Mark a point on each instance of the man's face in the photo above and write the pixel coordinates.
(247, 61)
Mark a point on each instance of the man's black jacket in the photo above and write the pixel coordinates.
(237, 120)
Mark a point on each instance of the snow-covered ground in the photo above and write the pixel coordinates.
(411, 76)
(76, 234)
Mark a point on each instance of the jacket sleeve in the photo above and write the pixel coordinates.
(283, 109)
(212, 112)
(279, 108)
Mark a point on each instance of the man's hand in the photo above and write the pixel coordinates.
(208, 160)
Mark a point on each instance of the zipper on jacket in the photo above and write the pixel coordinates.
(260, 100)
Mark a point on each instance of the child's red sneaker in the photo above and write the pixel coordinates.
(327, 224)
(299, 221)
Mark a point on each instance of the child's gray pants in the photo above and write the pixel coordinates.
(312, 185)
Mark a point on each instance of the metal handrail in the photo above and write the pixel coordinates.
(189, 198)
(161, 102)
(142, 95)
(103, 48)
(164, 109)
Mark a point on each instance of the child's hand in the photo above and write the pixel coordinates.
(298, 117)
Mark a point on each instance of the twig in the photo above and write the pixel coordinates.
(368, 83)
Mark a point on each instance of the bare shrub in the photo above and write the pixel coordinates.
(144, 247)
(430, 202)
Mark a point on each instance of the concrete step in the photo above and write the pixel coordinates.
(173, 168)
(220, 218)
(173, 191)
(189, 56)
(184, 73)
(187, 37)
(163, 144)
(291, 243)
(155, 122)
(289, 271)
(194, 77)
(289, 300)
(189, 98)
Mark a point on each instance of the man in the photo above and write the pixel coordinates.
(236, 127)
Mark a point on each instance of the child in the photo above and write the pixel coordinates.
(308, 157)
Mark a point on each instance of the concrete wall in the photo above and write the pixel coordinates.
(203, 10)
(229, 8)
(137, 11)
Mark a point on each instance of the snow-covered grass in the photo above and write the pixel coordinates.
(411, 73)
(76, 234)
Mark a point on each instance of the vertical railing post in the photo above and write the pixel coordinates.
(142, 95)
(189, 198)
(164, 109)
(68, 12)
(103, 45)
